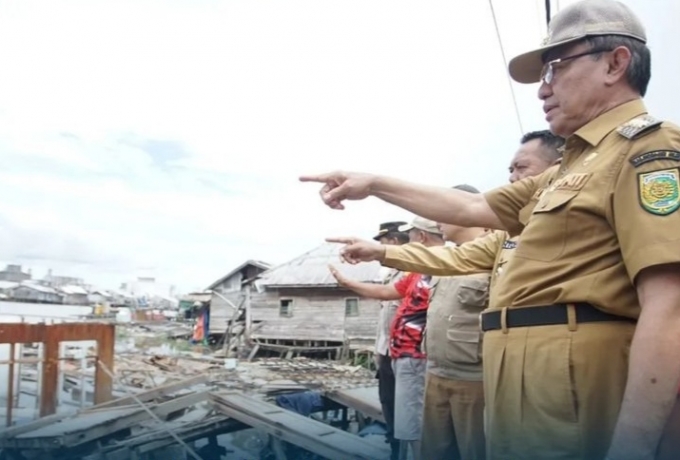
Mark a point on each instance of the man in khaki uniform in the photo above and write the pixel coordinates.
(599, 253)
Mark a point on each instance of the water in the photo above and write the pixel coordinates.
(12, 312)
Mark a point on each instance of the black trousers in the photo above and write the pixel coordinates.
(386, 392)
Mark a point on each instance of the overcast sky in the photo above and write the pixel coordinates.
(165, 138)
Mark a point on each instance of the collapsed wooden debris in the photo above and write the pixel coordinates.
(316, 437)
(199, 399)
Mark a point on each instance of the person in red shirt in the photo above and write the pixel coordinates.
(406, 334)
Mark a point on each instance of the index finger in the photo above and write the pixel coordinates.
(340, 239)
(314, 178)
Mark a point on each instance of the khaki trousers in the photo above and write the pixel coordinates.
(453, 420)
(554, 392)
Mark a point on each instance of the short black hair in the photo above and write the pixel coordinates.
(639, 70)
(401, 237)
(552, 144)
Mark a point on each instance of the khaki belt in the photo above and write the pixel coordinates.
(547, 315)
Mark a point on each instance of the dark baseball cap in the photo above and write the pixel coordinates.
(388, 227)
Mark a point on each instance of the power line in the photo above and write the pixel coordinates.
(505, 63)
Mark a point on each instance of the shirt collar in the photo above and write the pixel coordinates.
(595, 130)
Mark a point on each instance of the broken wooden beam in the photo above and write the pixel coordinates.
(314, 436)
(91, 426)
(365, 400)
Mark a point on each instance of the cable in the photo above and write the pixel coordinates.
(547, 12)
(505, 63)
(186, 447)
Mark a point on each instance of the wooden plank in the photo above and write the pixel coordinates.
(145, 396)
(103, 382)
(305, 432)
(50, 374)
(159, 438)
(193, 433)
(31, 426)
(86, 426)
(364, 400)
(94, 425)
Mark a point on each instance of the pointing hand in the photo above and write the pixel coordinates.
(340, 186)
(357, 250)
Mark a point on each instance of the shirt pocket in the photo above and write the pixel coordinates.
(462, 347)
(547, 235)
(473, 293)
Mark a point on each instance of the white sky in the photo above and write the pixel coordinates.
(165, 138)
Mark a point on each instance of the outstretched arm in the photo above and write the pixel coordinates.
(475, 256)
(445, 205)
(436, 203)
(370, 290)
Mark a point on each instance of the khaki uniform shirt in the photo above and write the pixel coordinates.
(488, 253)
(592, 224)
(387, 310)
(453, 339)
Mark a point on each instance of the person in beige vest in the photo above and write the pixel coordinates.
(453, 412)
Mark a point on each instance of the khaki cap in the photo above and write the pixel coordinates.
(587, 18)
(423, 224)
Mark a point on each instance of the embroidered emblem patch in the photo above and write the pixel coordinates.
(509, 244)
(655, 155)
(659, 191)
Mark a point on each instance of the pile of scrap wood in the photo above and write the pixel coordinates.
(137, 424)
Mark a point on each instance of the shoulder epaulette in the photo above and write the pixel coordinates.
(638, 127)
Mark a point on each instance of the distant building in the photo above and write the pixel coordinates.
(228, 292)
(32, 292)
(56, 281)
(74, 295)
(14, 274)
(6, 289)
(301, 301)
(149, 293)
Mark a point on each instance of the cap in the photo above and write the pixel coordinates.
(466, 188)
(423, 224)
(388, 227)
(587, 18)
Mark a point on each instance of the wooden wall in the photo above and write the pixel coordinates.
(221, 312)
(317, 314)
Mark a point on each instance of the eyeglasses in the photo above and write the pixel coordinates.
(548, 71)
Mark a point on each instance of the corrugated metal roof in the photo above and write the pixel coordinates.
(8, 284)
(311, 269)
(38, 287)
(256, 263)
(73, 290)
